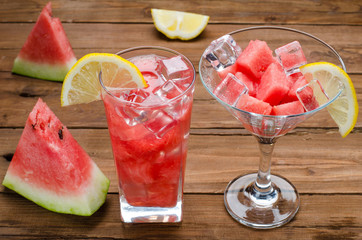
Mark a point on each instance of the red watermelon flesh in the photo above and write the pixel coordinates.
(289, 108)
(255, 59)
(293, 78)
(292, 93)
(230, 69)
(51, 169)
(248, 83)
(47, 53)
(251, 104)
(273, 85)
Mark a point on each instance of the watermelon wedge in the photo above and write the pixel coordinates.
(51, 169)
(47, 53)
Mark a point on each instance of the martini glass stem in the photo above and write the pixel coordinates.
(263, 192)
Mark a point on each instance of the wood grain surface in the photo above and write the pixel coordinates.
(325, 168)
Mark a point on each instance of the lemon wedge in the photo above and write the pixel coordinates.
(81, 84)
(344, 110)
(176, 24)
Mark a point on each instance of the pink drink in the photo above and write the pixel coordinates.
(149, 135)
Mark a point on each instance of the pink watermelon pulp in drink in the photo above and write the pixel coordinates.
(150, 165)
(51, 169)
(47, 53)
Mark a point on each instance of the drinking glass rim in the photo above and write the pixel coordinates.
(165, 103)
(278, 116)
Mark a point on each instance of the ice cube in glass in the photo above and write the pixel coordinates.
(222, 52)
(312, 95)
(133, 116)
(230, 89)
(159, 123)
(291, 57)
(168, 90)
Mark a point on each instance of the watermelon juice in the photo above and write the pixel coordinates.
(149, 130)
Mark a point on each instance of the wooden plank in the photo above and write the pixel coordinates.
(243, 11)
(316, 162)
(86, 38)
(19, 94)
(319, 217)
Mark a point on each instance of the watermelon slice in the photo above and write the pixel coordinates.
(47, 53)
(51, 169)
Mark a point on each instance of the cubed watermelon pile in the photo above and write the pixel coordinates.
(271, 87)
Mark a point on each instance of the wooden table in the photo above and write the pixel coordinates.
(326, 169)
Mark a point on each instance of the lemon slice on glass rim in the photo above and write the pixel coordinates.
(81, 84)
(177, 24)
(344, 110)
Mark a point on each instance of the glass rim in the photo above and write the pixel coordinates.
(164, 103)
(277, 116)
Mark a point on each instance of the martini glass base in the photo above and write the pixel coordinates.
(261, 210)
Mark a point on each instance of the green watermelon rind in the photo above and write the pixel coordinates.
(53, 72)
(83, 204)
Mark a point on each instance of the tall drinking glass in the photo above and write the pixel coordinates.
(262, 199)
(149, 130)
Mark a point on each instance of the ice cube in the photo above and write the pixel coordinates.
(230, 89)
(159, 123)
(136, 95)
(291, 57)
(168, 90)
(145, 62)
(131, 115)
(222, 52)
(173, 68)
(312, 95)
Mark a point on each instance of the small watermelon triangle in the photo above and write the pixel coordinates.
(47, 53)
(50, 168)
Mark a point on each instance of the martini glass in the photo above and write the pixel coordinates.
(263, 200)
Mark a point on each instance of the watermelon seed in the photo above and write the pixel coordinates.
(60, 133)
(8, 156)
(33, 125)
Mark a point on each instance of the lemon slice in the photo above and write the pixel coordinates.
(344, 110)
(81, 84)
(176, 24)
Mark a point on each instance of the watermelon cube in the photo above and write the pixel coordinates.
(249, 83)
(291, 57)
(255, 59)
(273, 85)
(254, 105)
(289, 108)
(293, 78)
(229, 89)
(231, 69)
